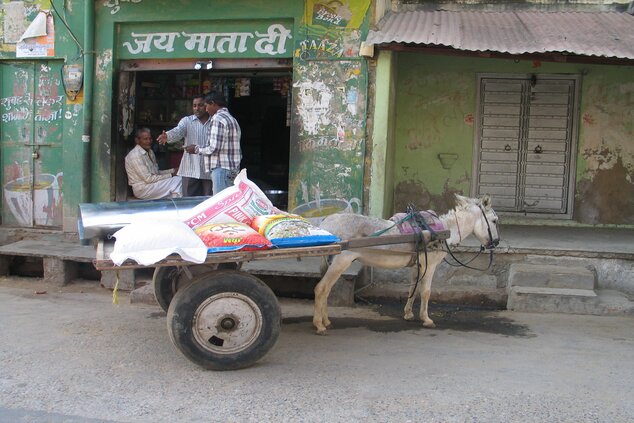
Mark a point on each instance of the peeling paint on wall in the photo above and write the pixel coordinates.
(315, 112)
(413, 191)
(609, 196)
(606, 123)
(104, 65)
(605, 189)
(329, 129)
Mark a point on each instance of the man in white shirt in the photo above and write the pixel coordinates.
(194, 129)
(144, 176)
(221, 152)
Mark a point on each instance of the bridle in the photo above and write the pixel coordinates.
(489, 247)
(492, 242)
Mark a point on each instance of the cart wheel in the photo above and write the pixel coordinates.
(167, 280)
(224, 320)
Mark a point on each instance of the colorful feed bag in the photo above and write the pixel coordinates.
(290, 230)
(232, 236)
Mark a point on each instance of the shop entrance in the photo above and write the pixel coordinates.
(258, 98)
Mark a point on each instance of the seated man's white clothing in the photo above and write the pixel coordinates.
(144, 176)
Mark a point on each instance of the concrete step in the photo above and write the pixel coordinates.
(551, 276)
(566, 300)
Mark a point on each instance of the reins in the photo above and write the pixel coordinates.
(420, 222)
(461, 264)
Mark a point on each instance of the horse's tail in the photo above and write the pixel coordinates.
(325, 263)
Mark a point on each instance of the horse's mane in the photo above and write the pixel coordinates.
(460, 206)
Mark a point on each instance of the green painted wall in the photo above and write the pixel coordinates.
(108, 17)
(382, 176)
(329, 94)
(66, 126)
(435, 113)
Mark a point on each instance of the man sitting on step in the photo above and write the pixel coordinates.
(144, 176)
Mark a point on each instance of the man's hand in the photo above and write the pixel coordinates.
(174, 171)
(191, 149)
(162, 139)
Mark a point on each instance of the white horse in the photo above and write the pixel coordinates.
(469, 216)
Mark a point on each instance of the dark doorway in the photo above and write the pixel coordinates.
(259, 100)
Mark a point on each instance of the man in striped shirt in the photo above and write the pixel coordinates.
(195, 129)
(144, 176)
(222, 152)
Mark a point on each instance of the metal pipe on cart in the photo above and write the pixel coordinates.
(100, 220)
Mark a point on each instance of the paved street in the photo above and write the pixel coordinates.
(69, 355)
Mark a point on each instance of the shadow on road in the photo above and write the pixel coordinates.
(446, 317)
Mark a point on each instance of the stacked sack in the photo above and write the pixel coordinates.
(243, 218)
(240, 217)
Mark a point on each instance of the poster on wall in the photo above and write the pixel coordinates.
(39, 38)
(331, 30)
(13, 24)
(342, 14)
(329, 126)
(15, 18)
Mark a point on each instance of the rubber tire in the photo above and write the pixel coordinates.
(164, 280)
(184, 306)
(169, 279)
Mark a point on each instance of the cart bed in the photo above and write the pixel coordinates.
(104, 248)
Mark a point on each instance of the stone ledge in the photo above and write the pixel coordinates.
(143, 295)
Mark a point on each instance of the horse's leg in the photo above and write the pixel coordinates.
(339, 265)
(433, 260)
(411, 296)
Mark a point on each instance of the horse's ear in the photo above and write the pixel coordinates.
(486, 201)
(461, 201)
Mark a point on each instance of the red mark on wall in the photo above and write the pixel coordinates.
(537, 63)
(588, 119)
(414, 145)
(468, 119)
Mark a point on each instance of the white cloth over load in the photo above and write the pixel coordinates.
(150, 241)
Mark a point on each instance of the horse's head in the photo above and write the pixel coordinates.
(485, 223)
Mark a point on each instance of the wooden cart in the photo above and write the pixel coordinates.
(221, 317)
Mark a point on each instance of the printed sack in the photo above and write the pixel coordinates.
(291, 230)
(239, 203)
(231, 236)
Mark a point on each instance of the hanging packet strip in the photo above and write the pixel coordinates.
(290, 230)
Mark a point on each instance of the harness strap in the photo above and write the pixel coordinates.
(420, 221)
(382, 231)
(458, 226)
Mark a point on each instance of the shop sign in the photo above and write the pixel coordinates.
(153, 41)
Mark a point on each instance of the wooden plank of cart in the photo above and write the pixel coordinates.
(223, 318)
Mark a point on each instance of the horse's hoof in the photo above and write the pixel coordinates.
(408, 316)
(327, 323)
(429, 324)
(321, 332)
